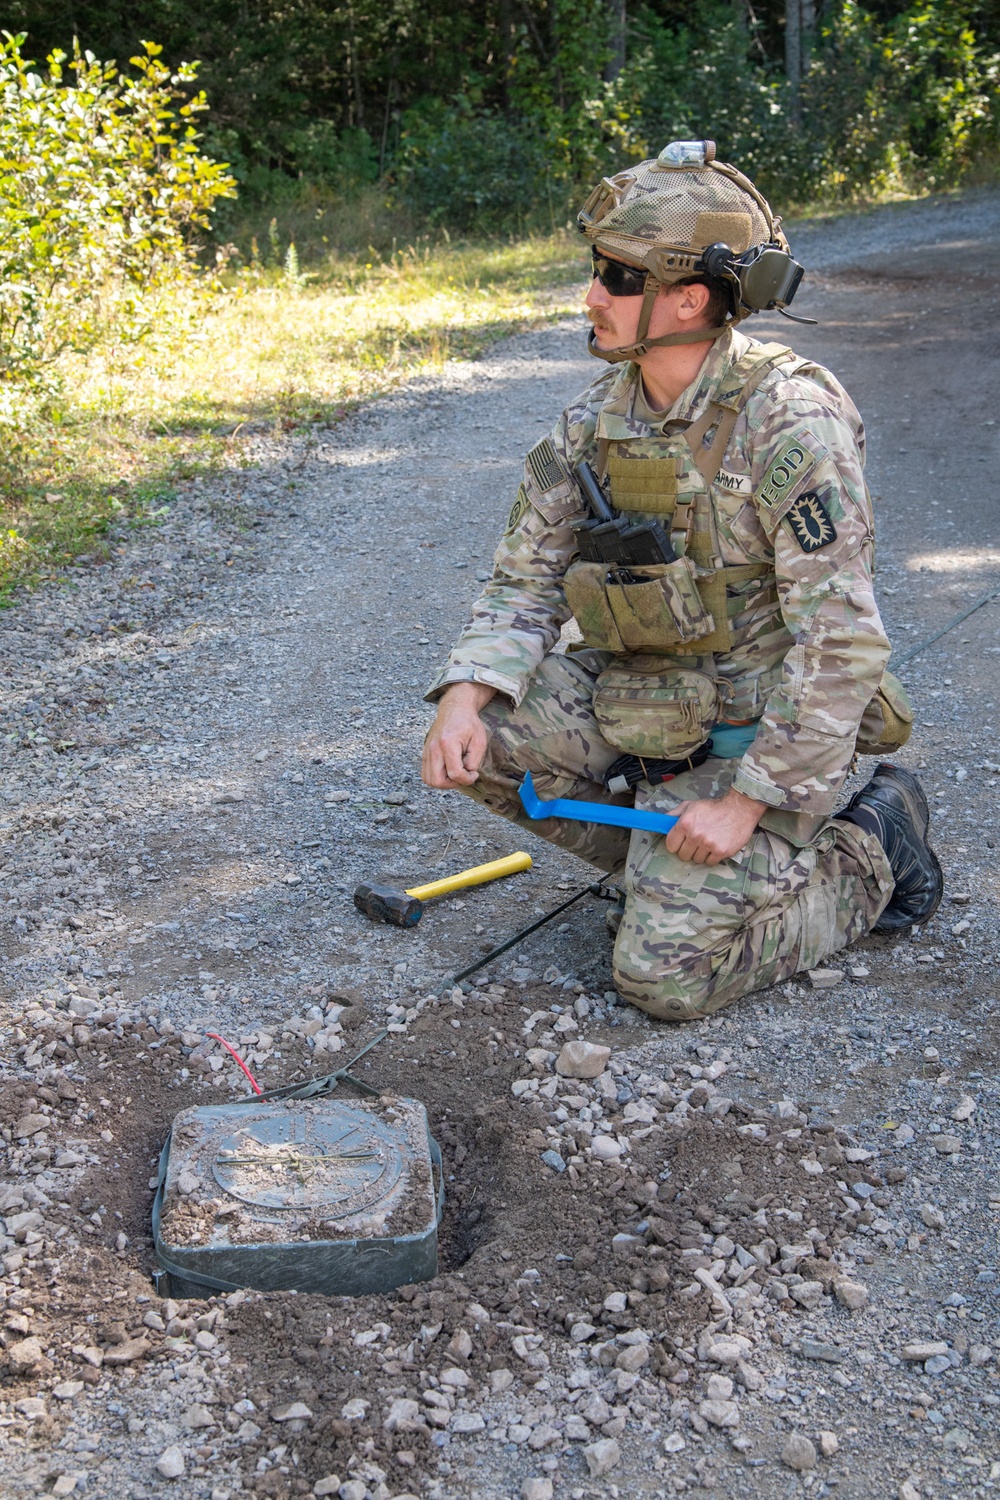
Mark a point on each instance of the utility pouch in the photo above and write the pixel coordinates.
(887, 721)
(653, 608)
(656, 709)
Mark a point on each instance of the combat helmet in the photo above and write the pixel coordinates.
(683, 215)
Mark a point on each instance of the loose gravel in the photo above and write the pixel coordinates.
(756, 1254)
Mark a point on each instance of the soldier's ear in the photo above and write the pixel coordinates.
(692, 299)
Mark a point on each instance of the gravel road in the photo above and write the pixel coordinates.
(778, 1272)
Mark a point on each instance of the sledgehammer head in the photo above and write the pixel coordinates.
(386, 903)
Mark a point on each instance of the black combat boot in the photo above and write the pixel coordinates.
(614, 916)
(893, 808)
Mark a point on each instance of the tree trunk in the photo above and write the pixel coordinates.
(616, 40)
(808, 32)
(793, 54)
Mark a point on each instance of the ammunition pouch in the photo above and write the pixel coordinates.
(675, 607)
(887, 721)
(654, 708)
(653, 608)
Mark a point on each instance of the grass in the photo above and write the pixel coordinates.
(278, 349)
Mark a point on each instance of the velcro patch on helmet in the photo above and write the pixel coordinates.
(786, 472)
(732, 229)
(544, 467)
(810, 522)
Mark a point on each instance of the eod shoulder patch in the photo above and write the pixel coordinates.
(810, 522)
(793, 462)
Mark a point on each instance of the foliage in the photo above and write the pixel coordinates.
(102, 183)
(286, 349)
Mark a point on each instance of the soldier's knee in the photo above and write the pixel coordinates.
(681, 993)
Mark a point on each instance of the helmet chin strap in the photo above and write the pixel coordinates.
(642, 343)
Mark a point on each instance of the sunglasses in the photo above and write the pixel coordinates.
(617, 279)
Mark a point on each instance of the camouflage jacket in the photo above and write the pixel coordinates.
(812, 662)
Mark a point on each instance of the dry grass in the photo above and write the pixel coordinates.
(278, 350)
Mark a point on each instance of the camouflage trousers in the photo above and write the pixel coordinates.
(694, 937)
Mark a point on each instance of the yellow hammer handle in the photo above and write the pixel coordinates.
(509, 865)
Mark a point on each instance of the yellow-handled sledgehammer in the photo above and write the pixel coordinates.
(386, 903)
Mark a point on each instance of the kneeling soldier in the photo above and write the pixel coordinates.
(730, 673)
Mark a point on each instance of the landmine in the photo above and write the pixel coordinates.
(310, 1195)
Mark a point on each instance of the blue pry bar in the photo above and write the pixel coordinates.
(592, 812)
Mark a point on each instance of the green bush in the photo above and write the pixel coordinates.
(103, 187)
(475, 171)
(883, 106)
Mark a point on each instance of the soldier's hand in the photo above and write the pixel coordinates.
(714, 828)
(456, 742)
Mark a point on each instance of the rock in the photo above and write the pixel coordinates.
(725, 1349)
(543, 1435)
(808, 1294)
(798, 1453)
(354, 1489)
(596, 1410)
(828, 1444)
(720, 1413)
(605, 1148)
(633, 1358)
(811, 1349)
(580, 1059)
(908, 1491)
(328, 1486)
(947, 1145)
(720, 1388)
(825, 979)
(501, 1380)
(980, 1354)
(355, 1410)
(402, 1412)
(29, 1125)
(964, 1109)
(25, 1355)
(674, 1443)
(64, 1485)
(128, 1352)
(171, 1463)
(460, 1344)
(554, 1160)
(67, 1390)
(198, 1416)
(602, 1457)
(850, 1294)
(467, 1421)
(937, 1364)
(920, 1350)
(932, 1217)
(615, 1302)
(536, 1489)
(292, 1411)
(580, 1332)
(32, 1408)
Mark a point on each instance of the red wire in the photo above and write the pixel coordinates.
(234, 1054)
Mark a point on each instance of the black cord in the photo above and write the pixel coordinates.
(596, 889)
(916, 650)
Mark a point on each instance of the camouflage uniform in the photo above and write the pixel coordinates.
(799, 649)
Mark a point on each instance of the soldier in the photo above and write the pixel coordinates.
(731, 682)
